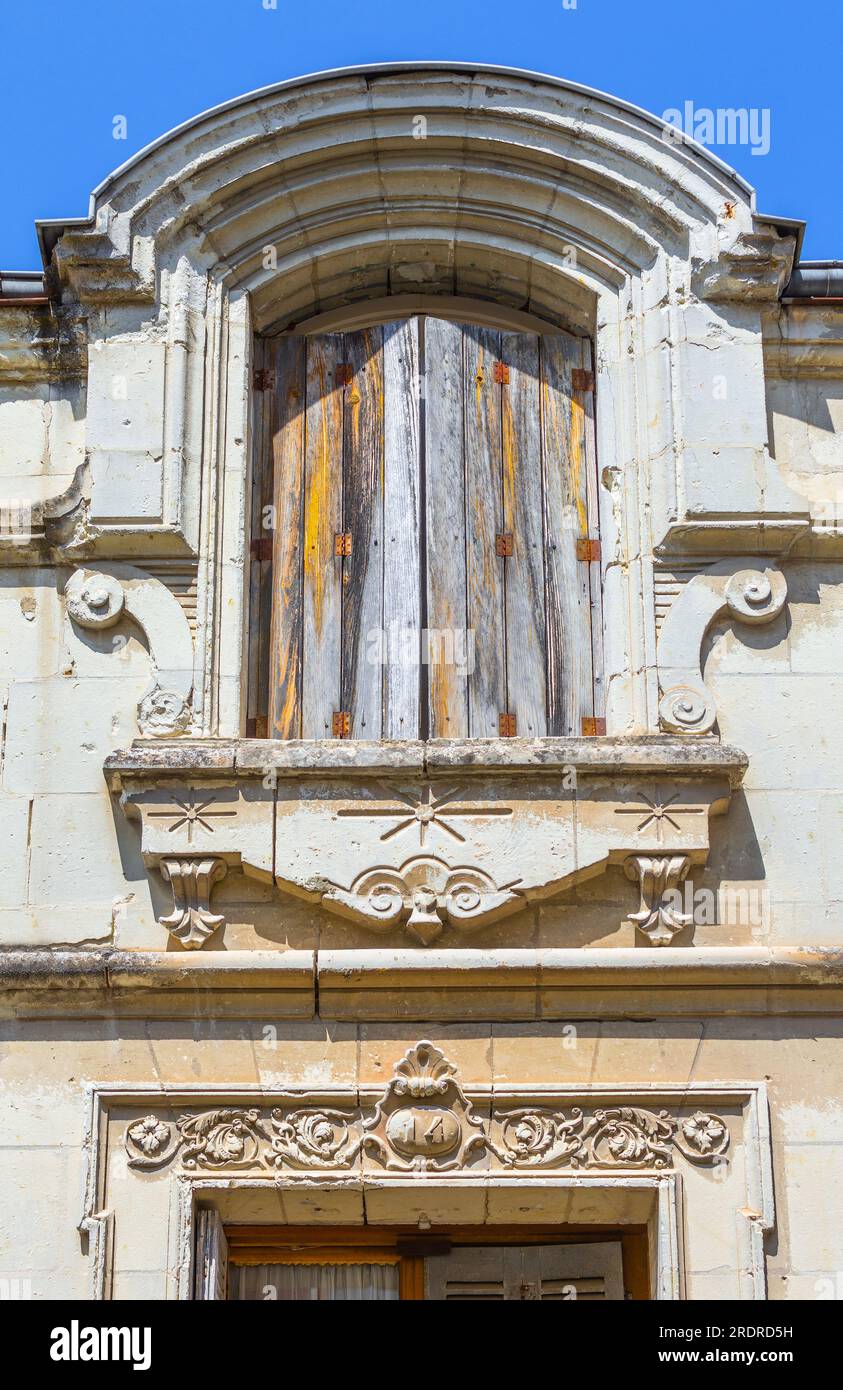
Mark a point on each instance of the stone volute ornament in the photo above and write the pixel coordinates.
(98, 598)
(424, 1123)
(748, 596)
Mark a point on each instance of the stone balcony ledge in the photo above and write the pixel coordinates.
(427, 837)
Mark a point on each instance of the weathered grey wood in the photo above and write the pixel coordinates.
(483, 520)
(445, 526)
(259, 635)
(566, 520)
(402, 619)
(322, 626)
(288, 450)
(595, 572)
(523, 517)
(362, 590)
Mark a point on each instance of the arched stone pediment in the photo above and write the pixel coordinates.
(427, 177)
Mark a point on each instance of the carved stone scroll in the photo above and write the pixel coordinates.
(747, 595)
(98, 598)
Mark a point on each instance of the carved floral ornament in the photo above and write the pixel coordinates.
(424, 1123)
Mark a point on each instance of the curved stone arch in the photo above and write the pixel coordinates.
(529, 193)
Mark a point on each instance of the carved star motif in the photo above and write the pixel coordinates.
(191, 813)
(657, 812)
(425, 812)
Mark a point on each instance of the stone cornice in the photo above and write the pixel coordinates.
(643, 755)
(528, 985)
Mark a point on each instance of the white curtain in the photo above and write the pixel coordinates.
(350, 1283)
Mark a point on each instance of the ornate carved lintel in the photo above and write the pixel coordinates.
(191, 922)
(424, 1123)
(658, 877)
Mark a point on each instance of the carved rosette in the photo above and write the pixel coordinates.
(658, 878)
(423, 1123)
(192, 880)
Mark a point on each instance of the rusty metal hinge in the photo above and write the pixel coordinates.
(340, 723)
(582, 380)
(500, 373)
(343, 374)
(342, 543)
(593, 728)
(264, 379)
(504, 544)
(506, 725)
(261, 549)
(588, 549)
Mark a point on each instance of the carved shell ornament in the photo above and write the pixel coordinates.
(424, 1123)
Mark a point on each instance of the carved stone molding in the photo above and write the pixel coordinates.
(424, 1123)
(98, 597)
(425, 894)
(748, 595)
(658, 878)
(426, 839)
(192, 880)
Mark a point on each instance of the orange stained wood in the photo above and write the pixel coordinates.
(318, 522)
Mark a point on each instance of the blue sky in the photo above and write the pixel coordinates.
(71, 66)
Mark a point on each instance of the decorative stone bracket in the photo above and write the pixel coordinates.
(98, 597)
(425, 837)
(423, 1122)
(747, 595)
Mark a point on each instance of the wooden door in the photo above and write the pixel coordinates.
(433, 493)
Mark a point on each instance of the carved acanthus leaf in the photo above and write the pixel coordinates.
(191, 922)
(658, 878)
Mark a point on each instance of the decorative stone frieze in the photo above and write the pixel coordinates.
(425, 1123)
(430, 839)
(749, 595)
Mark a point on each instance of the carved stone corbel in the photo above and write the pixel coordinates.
(192, 880)
(97, 598)
(658, 878)
(748, 595)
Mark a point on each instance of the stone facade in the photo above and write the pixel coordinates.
(618, 984)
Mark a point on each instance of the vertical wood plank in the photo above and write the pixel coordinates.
(322, 622)
(523, 518)
(569, 660)
(288, 450)
(402, 618)
(595, 569)
(484, 519)
(259, 636)
(362, 601)
(445, 527)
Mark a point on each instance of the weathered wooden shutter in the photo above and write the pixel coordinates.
(511, 497)
(563, 1273)
(433, 498)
